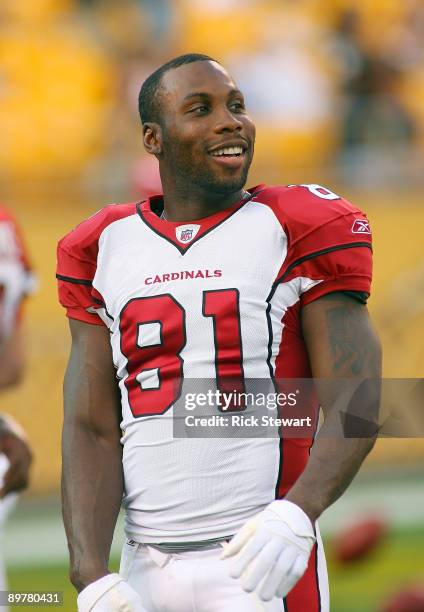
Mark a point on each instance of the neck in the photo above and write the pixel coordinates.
(190, 204)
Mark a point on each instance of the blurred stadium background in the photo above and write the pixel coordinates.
(336, 88)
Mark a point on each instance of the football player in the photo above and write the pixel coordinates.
(16, 281)
(208, 281)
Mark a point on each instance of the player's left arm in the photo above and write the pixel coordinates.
(273, 548)
(330, 244)
(342, 344)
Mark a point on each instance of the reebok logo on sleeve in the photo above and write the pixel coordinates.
(361, 226)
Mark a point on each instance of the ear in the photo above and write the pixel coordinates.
(152, 138)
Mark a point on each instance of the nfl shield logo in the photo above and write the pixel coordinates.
(186, 233)
(361, 226)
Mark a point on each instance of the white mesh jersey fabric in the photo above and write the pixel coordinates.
(187, 489)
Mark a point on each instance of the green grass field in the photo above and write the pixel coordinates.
(356, 588)
(361, 587)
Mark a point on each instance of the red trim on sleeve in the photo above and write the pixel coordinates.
(76, 298)
(82, 315)
(338, 284)
(347, 269)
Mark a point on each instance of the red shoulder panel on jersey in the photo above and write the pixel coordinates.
(77, 262)
(329, 239)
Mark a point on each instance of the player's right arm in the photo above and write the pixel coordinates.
(92, 478)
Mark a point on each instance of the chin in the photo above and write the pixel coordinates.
(227, 188)
(228, 185)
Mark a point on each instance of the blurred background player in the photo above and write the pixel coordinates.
(16, 282)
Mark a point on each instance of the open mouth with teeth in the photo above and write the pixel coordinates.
(228, 152)
(230, 158)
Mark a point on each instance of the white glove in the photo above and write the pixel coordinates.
(274, 549)
(109, 594)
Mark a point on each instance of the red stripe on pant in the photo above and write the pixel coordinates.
(305, 596)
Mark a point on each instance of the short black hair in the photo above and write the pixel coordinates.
(148, 99)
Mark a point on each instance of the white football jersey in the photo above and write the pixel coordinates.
(214, 299)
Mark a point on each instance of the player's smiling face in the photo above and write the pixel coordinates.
(208, 137)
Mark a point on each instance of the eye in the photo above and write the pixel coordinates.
(237, 106)
(199, 110)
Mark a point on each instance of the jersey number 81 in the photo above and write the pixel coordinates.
(162, 359)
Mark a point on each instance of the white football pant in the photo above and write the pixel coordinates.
(194, 581)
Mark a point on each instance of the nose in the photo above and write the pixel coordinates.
(226, 121)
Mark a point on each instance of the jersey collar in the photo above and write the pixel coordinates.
(168, 229)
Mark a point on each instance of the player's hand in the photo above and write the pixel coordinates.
(109, 594)
(14, 444)
(273, 550)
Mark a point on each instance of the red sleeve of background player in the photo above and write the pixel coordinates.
(329, 241)
(77, 263)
